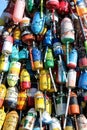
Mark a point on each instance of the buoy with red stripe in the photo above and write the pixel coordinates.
(71, 83)
(21, 102)
(73, 106)
(67, 34)
(52, 4)
(25, 79)
(30, 100)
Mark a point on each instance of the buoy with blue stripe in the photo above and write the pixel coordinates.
(11, 97)
(69, 124)
(37, 58)
(17, 36)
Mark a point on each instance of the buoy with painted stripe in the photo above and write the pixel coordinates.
(30, 119)
(11, 97)
(7, 45)
(25, 80)
(67, 34)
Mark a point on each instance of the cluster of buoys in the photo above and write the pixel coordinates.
(43, 65)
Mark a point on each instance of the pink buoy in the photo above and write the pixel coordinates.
(18, 10)
(7, 46)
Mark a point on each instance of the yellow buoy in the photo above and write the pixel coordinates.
(11, 121)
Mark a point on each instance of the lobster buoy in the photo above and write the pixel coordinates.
(82, 122)
(18, 10)
(52, 4)
(30, 119)
(55, 124)
(2, 117)
(25, 80)
(2, 94)
(11, 121)
(73, 106)
(11, 97)
(7, 46)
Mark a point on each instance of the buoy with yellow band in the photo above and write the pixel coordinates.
(55, 125)
(21, 101)
(2, 117)
(2, 94)
(69, 124)
(17, 34)
(11, 121)
(39, 104)
(4, 63)
(45, 80)
(48, 105)
(25, 80)
(37, 58)
(14, 67)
